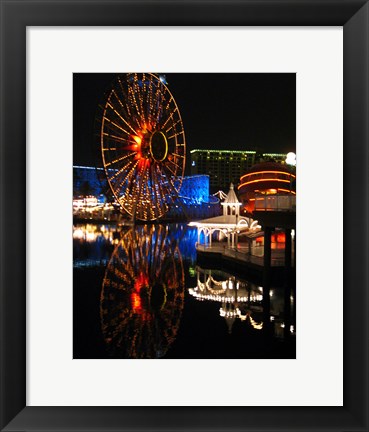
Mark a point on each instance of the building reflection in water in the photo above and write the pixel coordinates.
(243, 300)
(142, 295)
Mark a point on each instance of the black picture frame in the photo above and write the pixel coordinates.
(353, 15)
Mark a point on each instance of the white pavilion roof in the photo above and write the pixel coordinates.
(231, 197)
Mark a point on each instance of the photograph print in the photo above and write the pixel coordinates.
(184, 215)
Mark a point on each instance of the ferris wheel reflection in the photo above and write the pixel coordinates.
(142, 295)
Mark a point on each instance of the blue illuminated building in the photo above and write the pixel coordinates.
(194, 200)
(195, 188)
(89, 181)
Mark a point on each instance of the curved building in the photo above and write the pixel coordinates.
(267, 178)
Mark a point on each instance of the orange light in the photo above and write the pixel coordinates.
(287, 190)
(281, 238)
(268, 172)
(143, 162)
(137, 139)
(136, 303)
(263, 180)
(278, 238)
(132, 147)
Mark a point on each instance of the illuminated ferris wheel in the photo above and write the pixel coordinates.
(142, 144)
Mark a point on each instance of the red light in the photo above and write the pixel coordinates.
(141, 281)
(136, 303)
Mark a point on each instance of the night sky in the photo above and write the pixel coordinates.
(219, 111)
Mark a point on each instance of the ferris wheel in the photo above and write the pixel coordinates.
(142, 144)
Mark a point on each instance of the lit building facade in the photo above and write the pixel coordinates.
(227, 166)
(222, 166)
(272, 157)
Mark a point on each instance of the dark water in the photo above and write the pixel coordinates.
(138, 293)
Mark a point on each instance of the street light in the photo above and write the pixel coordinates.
(291, 159)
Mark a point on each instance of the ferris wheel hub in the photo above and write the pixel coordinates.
(158, 146)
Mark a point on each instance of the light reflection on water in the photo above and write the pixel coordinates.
(91, 241)
(142, 295)
(151, 275)
(241, 300)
